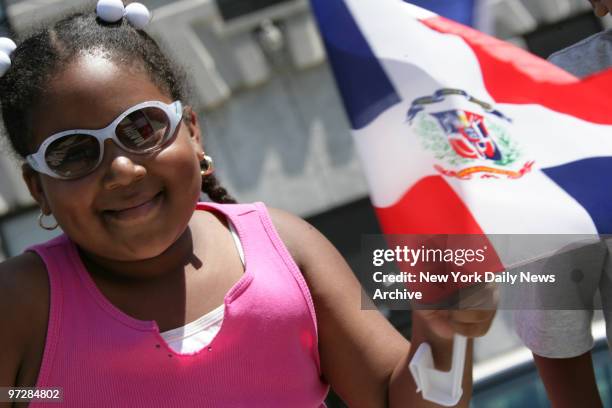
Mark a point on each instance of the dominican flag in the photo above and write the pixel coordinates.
(467, 12)
(461, 133)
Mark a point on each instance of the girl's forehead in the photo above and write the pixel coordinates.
(102, 81)
(89, 93)
(97, 64)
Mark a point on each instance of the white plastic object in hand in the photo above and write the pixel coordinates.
(7, 45)
(138, 15)
(110, 11)
(441, 387)
(5, 63)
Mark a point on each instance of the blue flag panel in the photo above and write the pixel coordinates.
(462, 11)
(588, 181)
(364, 85)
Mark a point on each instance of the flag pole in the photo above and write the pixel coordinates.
(442, 387)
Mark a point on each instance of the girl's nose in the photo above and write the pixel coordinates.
(121, 169)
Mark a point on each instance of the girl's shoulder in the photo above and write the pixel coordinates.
(24, 308)
(305, 243)
(23, 279)
(293, 231)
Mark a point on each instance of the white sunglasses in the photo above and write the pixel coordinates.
(143, 128)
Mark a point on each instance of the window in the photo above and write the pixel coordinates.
(236, 8)
(549, 38)
(5, 28)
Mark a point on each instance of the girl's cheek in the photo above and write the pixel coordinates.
(73, 194)
(180, 160)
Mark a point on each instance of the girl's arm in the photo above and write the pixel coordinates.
(24, 303)
(363, 357)
(569, 382)
(11, 339)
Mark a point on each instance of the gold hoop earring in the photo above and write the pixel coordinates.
(207, 166)
(43, 226)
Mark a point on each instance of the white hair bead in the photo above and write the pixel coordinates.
(138, 15)
(7, 45)
(5, 63)
(110, 11)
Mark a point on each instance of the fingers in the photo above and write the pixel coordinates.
(446, 323)
(601, 7)
(471, 323)
(438, 322)
(601, 10)
(471, 316)
(480, 297)
(442, 328)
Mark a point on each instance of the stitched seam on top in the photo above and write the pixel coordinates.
(101, 300)
(294, 269)
(55, 313)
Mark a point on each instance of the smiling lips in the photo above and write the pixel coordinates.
(132, 212)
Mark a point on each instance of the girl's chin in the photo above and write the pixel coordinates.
(136, 249)
(146, 252)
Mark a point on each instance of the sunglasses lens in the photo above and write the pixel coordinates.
(73, 156)
(144, 129)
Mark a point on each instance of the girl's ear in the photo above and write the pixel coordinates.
(32, 180)
(195, 133)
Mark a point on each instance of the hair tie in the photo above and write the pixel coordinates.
(7, 46)
(138, 15)
(112, 11)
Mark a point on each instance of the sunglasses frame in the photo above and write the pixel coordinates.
(174, 111)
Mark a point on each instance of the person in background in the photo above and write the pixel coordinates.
(590, 55)
(561, 340)
(601, 7)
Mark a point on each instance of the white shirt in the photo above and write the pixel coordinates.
(196, 335)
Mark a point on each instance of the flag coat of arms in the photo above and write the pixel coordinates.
(461, 133)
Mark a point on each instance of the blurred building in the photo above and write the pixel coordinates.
(5, 27)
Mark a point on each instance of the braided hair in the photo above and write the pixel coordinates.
(47, 51)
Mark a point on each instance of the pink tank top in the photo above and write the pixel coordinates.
(265, 354)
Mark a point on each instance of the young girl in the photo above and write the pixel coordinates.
(151, 298)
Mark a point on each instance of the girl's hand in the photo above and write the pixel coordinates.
(471, 316)
(601, 7)
(446, 323)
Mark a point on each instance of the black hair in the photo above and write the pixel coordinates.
(49, 50)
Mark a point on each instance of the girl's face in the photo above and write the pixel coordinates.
(132, 207)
